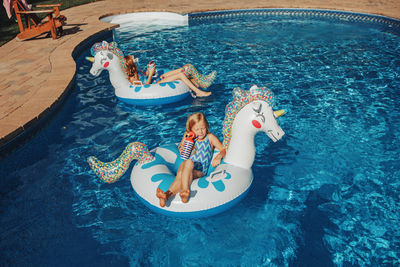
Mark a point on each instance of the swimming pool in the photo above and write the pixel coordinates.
(327, 194)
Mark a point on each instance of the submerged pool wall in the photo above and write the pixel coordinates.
(383, 23)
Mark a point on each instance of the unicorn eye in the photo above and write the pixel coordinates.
(257, 108)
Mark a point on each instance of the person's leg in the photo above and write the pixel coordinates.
(176, 185)
(187, 178)
(172, 72)
(163, 196)
(181, 76)
(174, 188)
(194, 82)
(177, 71)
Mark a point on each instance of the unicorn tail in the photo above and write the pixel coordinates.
(110, 172)
(203, 81)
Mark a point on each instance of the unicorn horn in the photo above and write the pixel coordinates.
(279, 113)
(91, 59)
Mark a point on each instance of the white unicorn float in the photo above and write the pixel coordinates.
(222, 187)
(107, 56)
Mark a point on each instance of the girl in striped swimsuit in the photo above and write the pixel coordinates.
(197, 165)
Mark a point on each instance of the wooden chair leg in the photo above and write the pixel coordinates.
(52, 27)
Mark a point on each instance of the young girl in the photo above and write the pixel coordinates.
(178, 74)
(132, 70)
(197, 165)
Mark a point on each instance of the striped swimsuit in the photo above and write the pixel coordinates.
(202, 157)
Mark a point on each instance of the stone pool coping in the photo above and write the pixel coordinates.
(36, 74)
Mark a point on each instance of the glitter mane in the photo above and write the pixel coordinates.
(113, 48)
(240, 99)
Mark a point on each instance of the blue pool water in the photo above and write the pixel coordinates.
(326, 194)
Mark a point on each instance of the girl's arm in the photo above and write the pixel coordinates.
(149, 79)
(217, 144)
(151, 69)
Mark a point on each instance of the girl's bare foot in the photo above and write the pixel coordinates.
(184, 195)
(163, 196)
(202, 93)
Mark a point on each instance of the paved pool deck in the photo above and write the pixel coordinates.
(36, 74)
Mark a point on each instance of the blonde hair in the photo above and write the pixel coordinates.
(131, 67)
(195, 118)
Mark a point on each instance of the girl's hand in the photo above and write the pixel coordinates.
(216, 161)
(217, 144)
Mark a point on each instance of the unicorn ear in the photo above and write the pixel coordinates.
(255, 90)
(253, 87)
(238, 93)
(104, 43)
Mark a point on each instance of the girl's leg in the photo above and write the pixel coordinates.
(181, 76)
(194, 82)
(188, 174)
(174, 188)
(163, 196)
(176, 185)
(187, 178)
(172, 72)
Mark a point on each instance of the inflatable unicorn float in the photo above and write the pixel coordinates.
(222, 187)
(107, 56)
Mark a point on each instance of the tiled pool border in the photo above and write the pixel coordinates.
(22, 134)
(386, 23)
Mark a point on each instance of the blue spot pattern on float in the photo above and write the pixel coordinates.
(165, 178)
(218, 185)
(154, 101)
(170, 84)
(138, 88)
